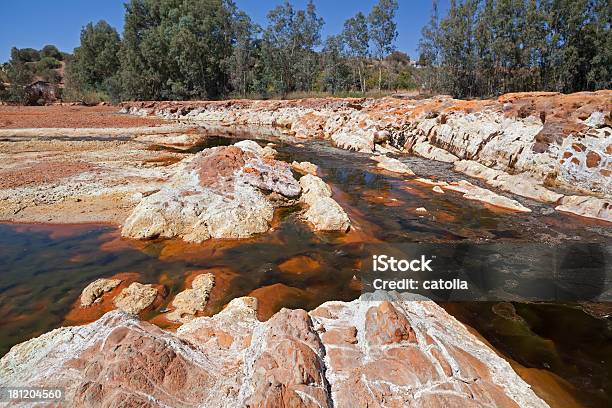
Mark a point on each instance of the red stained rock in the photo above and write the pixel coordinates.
(218, 165)
(384, 325)
(592, 159)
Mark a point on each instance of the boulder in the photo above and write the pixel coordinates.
(392, 165)
(323, 212)
(94, 291)
(191, 301)
(313, 188)
(327, 215)
(305, 167)
(135, 298)
(221, 192)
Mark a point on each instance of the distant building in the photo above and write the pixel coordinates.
(41, 93)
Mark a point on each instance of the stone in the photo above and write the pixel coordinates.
(472, 192)
(437, 189)
(305, 167)
(313, 188)
(392, 165)
(591, 207)
(135, 298)
(384, 349)
(93, 292)
(327, 215)
(221, 192)
(323, 212)
(189, 302)
(421, 210)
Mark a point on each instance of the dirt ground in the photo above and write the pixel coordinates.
(12, 117)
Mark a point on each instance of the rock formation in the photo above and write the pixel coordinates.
(305, 167)
(392, 165)
(382, 350)
(221, 192)
(323, 212)
(190, 301)
(531, 141)
(97, 288)
(136, 298)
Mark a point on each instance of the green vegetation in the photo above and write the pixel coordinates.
(208, 49)
(489, 47)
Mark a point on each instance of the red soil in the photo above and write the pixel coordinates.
(57, 116)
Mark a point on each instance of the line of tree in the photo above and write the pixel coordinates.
(179, 49)
(489, 47)
(208, 49)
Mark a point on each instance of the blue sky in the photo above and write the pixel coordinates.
(36, 23)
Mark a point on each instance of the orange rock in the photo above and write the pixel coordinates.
(82, 315)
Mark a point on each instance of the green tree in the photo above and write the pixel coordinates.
(429, 50)
(288, 48)
(96, 59)
(356, 36)
(242, 63)
(383, 31)
(175, 49)
(51, 51)
(335, 70)
(18, 75)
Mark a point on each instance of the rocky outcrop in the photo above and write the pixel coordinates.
(93, 292)
(544, 139)
(221, 192)
(136, 298)
(591, 207)
(191, 301)
(385, 350)
(323, 212)
(472, 192)
(518, 184)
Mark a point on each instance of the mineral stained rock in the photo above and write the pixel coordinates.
(220, 192)
(392, 165)
(385, 350)
(190, 301)
(528, 140)
(323, 212)
(135, 298)
(305, 167)
(96, 289)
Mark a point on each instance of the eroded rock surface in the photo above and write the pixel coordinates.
(97, 288)
(392, 165)
(221, 192)
(532, 141)
(136, 298)
(391, 350)
(323, 212)
(190, 301)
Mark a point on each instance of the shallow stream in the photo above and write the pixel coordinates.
(43, 268)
